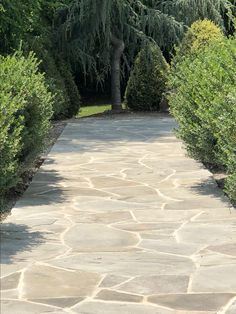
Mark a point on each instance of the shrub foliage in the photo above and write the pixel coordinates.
(204, 103)
(200, 34)
(147, 81)
(25, 112)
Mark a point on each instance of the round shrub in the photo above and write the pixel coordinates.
(25, 112)
(147, 81)
(200, 34)
(203, 102)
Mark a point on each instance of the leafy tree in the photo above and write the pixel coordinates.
(96, 32)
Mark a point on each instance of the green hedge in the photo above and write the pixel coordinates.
(203, 102)
(147, 81)
(25, 112)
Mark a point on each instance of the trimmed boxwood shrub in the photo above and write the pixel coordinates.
(147, 81)
(203, 102)
(25, 112)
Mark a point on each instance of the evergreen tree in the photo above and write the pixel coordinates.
(98, 31)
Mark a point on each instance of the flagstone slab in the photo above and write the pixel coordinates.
(59, 302)
(112, 295)
(24, 307)
(128, 263)
(112, 280)
(49, 282)
(10, 282)
(225, 248)
(171, 247)
(208, 232)
(118, 308)
(215, 279)
(193, 302)
(152, 284)
(97, 237)
(164, 216)
(107, 217)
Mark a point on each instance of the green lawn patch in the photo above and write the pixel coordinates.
(91, 110)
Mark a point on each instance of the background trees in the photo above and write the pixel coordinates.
(96, 32)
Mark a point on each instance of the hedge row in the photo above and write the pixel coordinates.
(25, 112)
(203, 101)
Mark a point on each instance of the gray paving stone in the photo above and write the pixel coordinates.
(215, 279)
(193, 302)
(112, 280)
(59, 302)
(152, 284)
(118, 308)
(112, 295)
(100, 238)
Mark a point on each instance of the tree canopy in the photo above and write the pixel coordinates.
(95, 32)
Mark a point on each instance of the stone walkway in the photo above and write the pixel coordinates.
(119, 221)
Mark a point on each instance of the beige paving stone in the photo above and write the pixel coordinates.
(152, 284)
(128, 263)
(48, 282)
(112, 295)
(208, 232)
(217, 214)
(164, 215)
(140, 227)
(225, 248)
(193, 302)
(118, 308)
(103, 217)
(109, 182)
(24, 307)
(102, 204)
(97, 237)
(171, 247)
(206, 258)
(215, 279)
(201, 202)
(10, 282)
(59, 302)
(9, 294)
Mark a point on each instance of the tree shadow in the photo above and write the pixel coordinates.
(17, 238)
(209, 187)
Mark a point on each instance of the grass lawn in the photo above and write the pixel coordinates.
(90, 110)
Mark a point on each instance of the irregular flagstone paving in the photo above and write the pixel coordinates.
(119, 221)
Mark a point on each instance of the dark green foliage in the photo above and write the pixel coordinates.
(204, 104)
(71, 89)
(147, 81)
(17, 20)
(132, 21)
(25, 111)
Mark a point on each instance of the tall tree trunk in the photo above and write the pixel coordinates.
(118, 49)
